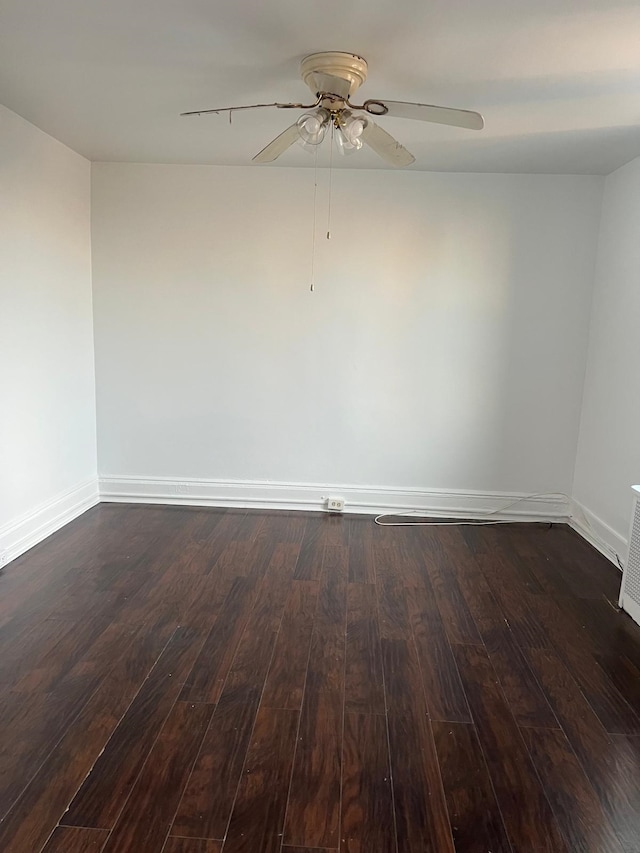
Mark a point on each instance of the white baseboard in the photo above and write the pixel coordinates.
(29, 529)
(311, 496)
(632, 607)
(605, 539)
(24, 532)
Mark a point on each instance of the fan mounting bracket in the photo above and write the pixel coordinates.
(334, 72)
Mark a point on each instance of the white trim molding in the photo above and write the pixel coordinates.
(249, 494)
(598, 533)
(28, 530)
(32, 527)
(631, 607)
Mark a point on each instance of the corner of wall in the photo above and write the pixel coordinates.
(93, 325)
(22, 533)
(589, 333)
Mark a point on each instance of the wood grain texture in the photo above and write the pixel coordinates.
(476, 822)
(320, 531)
(325, 670)
(588, 575)
(456, 617)
(210, 670)
(285, 526)
(420, 810)
(578, 812)
(288, 671)
(511, 593)
(216, 547)
(192, 845)
(518, 683)
(402, 679)
(258, 815)
(574, 647)
(143, 824)
(457, 653)
(610, 763)
(624, 675)
(364, 690)
(71, 839)
(208, 798)
(254, 651)
(313, 814)
(525, 809)
(314, 798)
(41, 804)
(287, 849)
(34, 723)
(309, 566)
(105, 790)
(393, 615)
(361, 548)
(367, 804)
(612, 634)
(446, 699)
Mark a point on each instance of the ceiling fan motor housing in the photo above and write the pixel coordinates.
(333, 70)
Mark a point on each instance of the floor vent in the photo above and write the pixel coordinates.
(630, 589)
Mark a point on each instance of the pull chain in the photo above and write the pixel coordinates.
(330, 181)
(313, 236)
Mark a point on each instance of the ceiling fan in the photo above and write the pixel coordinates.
(333, 78)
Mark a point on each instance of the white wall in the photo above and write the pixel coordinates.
(444, 346)
(47, 393)
(608, 460)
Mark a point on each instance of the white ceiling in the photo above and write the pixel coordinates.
(558, 81)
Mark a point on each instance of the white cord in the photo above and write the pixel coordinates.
(313, 236)
(461, 521)
(330, 183)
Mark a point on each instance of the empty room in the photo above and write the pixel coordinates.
(319, 427)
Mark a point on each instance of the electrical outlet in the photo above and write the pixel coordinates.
(335, 504)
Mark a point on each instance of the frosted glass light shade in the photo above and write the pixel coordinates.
(312, 127)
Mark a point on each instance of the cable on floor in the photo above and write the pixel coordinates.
(462, 521)
(484, 523)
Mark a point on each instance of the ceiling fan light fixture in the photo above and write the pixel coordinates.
(353, 130)
(349, 134)
(344, 146)
(312, 127)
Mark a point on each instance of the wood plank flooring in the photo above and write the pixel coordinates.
(182, 680)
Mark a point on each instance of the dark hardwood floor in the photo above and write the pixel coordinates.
(180, 680)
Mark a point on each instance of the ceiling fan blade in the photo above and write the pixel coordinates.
(425, 112)
(278, 145)
(252, 107)
(386, 146)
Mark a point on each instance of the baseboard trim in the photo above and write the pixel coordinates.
(631, 607)
(29, 529)
(598, 533)
(311, 496)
